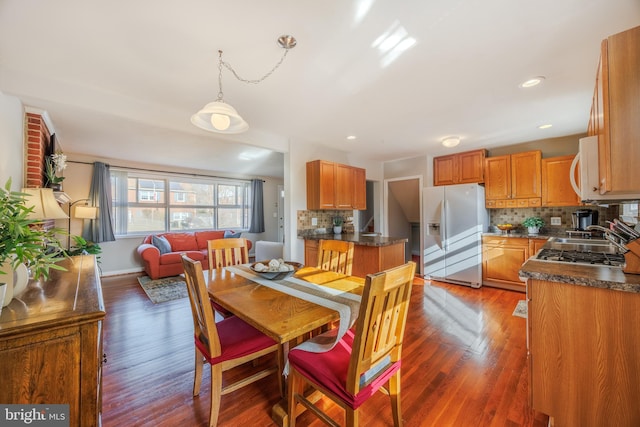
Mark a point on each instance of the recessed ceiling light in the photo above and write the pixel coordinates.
(351, 137)
(451, 141)
(547, 126)
(535, 81)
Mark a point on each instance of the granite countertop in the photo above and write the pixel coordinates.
(523, 234)
(583, 275)
(364, 239)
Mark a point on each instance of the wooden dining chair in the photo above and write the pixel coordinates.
(224, 345)
(365, 359)
(335, 255)
(223, 253)
(226, 252)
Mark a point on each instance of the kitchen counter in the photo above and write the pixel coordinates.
(596, 276)
(364, 239)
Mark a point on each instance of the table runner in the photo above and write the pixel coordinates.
(345, 303)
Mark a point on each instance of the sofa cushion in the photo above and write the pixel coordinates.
(176, 257)
(161, 243)
(182, 241)
(204, 236)
(230, 234)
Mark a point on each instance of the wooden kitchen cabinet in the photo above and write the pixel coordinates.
(335, 186)
(583, 354)
(366, 259)
(535, 244)
(615, 111)
(513, 180)
(51, 343)
(461, 168)
(556, 185)
(502, 258)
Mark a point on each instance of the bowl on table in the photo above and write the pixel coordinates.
(275, 273)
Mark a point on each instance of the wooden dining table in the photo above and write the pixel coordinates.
(285, 318)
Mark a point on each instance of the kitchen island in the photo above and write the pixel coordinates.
(583, 343)
(372, 252)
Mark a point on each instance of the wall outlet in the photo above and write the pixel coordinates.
(314, 221)
(556, 220)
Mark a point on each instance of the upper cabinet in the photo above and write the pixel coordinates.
(513, 180)
(556, 186)
(615, 111)
(335, 186)
(461, 168)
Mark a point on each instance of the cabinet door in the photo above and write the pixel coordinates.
(526, 174)
(556, 186)
(445, 170)
(497, 177)
(471, 167)
(359, 188)
(344, 187)
(620, 152)
(311, 253)
(535, 245)
(321, 185)
(501, 261)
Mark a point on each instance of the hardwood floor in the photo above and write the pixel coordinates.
(464, 364)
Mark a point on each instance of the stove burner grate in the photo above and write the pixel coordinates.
(579, 257)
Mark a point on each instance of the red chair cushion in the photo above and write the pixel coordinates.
(237, 339)
(329, 370)
(223, 311)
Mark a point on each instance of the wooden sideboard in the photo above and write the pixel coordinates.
(51, 342)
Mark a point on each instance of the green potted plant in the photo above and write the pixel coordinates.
(533, 224)
(81, 246)
(22, 241)
(337, 224)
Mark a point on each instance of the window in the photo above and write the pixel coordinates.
(146, 203)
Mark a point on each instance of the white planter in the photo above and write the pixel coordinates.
(533, 230)
(337, 229)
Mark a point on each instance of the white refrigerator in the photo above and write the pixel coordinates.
(454, 219)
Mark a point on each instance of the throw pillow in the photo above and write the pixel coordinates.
(161, 243)
(229, 234)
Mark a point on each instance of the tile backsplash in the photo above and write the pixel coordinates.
(515, 216)
(324, 220)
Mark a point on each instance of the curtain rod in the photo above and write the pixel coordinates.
(161, 171)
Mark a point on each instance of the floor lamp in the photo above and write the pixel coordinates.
(81, 212)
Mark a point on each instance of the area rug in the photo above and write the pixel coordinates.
(521, 309)
(165, 289)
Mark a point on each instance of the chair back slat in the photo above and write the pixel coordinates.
(204, 326)
(335, 255)
(226, 252)
(381, 321)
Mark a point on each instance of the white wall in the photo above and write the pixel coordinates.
(11, 141)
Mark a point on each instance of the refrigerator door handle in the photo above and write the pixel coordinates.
(443, 225)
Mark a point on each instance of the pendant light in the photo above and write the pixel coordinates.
(220, 117)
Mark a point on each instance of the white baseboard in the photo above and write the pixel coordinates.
(121, 272)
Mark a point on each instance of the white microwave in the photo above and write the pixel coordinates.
(589, 187)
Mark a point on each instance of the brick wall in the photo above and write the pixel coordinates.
(38, 140)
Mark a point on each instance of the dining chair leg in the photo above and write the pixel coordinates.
(351, 417)
(394, 395)
(216, 391)
(197, 376)
(295, 385)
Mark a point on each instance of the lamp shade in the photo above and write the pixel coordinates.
(44, 204)
(85, 212)
(218, 116)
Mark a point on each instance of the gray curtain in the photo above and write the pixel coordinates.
(101, 228)
(257, 207)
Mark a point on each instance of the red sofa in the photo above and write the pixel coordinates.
(194, 244)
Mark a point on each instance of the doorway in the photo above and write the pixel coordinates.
(403, 213)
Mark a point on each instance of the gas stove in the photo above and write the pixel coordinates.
(581, 257)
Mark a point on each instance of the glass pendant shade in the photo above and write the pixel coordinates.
(218, 116)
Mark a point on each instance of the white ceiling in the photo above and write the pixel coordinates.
(121, 78)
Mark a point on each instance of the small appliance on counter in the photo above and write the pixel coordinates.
(583, 218)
